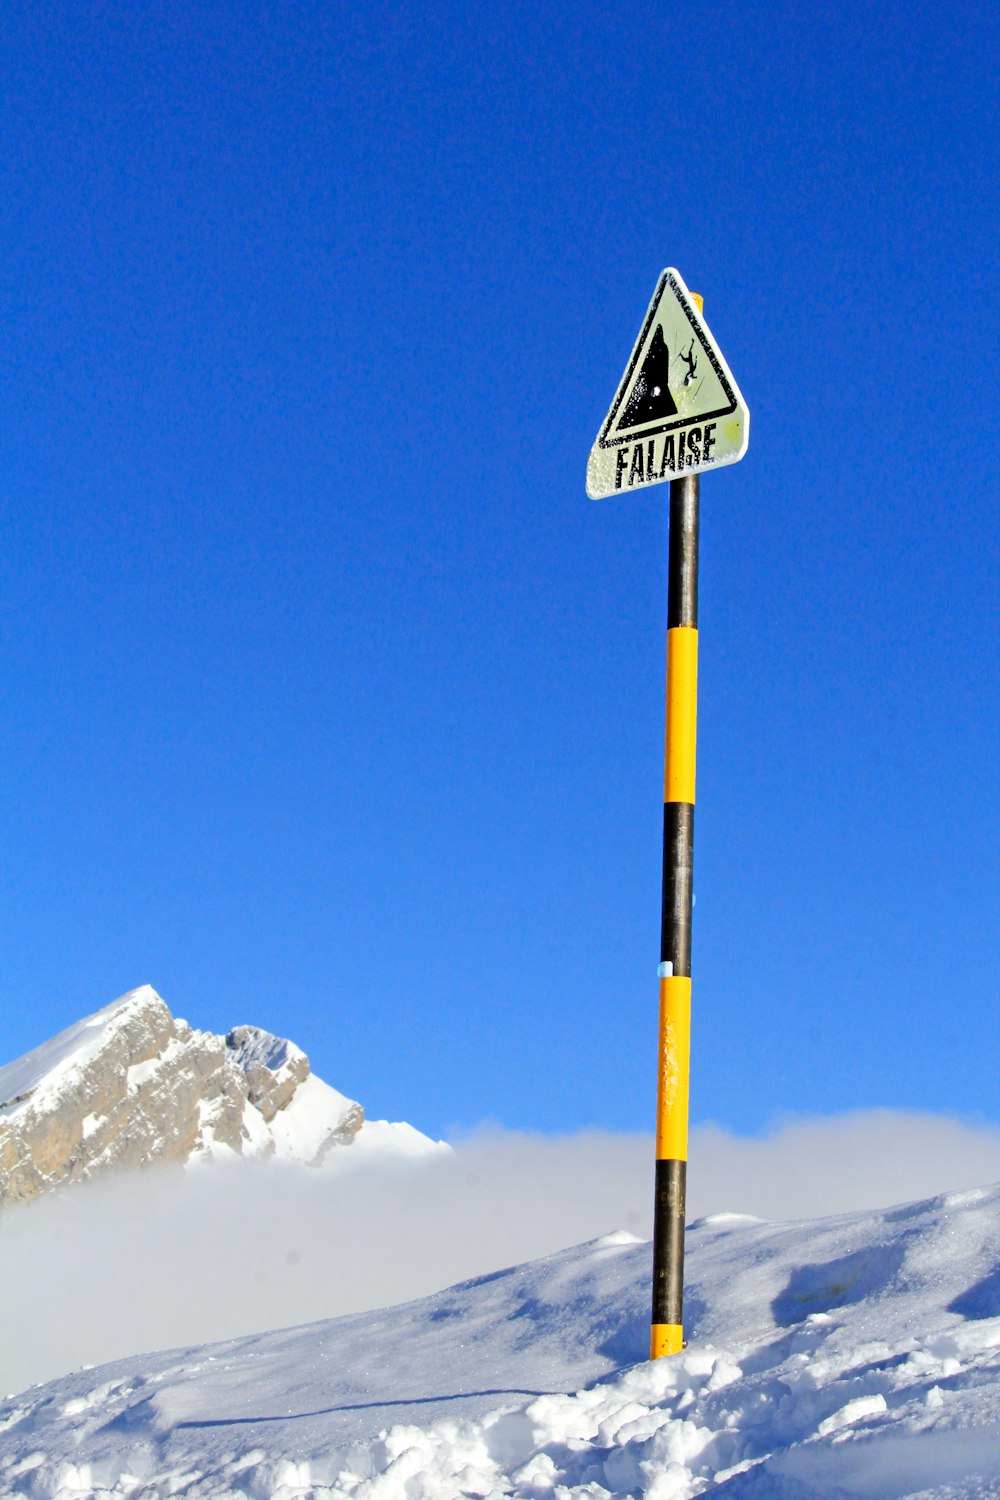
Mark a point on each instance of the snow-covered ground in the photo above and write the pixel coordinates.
(852, 1356)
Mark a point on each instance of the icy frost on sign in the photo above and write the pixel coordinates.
(677, 409)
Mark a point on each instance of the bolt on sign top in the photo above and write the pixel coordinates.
(678, 409)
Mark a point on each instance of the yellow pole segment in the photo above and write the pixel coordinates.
(682, 710)
(666, 1338)
(675, 1055)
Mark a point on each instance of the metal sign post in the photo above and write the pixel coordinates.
(674, 1047)
(677, 412)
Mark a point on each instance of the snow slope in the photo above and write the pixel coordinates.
(852, 1356)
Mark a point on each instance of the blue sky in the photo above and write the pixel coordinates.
(329, 701)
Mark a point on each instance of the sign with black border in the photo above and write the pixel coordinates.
(677, 409)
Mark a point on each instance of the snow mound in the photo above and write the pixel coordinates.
(853, 1356)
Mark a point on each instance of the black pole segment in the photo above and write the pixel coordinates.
(668, 1259)
(678, 875)
(682, 593)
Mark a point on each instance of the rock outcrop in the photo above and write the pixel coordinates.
(131, 1085)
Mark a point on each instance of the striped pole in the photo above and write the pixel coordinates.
(673, 1056)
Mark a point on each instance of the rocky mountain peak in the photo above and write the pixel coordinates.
(132, 1084)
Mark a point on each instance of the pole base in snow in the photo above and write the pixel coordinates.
(667, 1338)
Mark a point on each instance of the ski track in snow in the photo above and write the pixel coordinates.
(857, 1356)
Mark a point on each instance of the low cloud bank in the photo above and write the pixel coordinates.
(168, 1257)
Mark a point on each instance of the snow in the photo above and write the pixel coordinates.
(306, 1131)
(394, 1138)
(259, 1136)
(308, 1123)
(46, 1068)
(140, 1073)
(840, 1357)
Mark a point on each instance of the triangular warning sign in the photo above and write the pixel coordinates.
(677, 409)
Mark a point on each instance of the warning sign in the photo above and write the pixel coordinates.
(677, 410)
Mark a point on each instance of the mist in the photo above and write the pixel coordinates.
(170, 1257)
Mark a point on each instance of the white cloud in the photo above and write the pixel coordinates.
(864, 1159)
(168, 1257)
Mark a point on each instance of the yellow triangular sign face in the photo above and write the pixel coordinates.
(678, 409)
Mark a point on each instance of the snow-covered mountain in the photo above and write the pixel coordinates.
(131, 1085)
(857, 1356)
